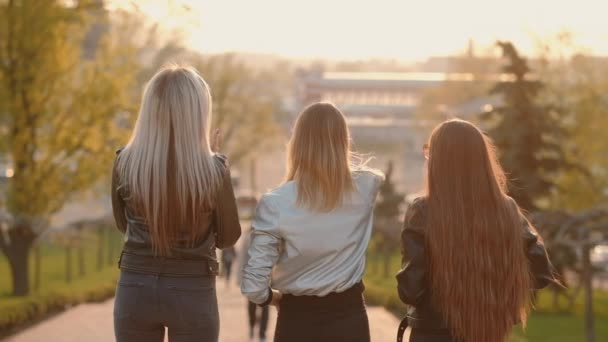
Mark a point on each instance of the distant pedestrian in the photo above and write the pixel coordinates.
(252, 311)
(252, 308)
(228, 256)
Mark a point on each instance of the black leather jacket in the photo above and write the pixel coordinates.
(222, 229)
(413, 287)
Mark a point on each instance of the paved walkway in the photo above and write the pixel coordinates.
(93, 322)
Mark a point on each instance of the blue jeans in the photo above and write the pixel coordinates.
(146, 303)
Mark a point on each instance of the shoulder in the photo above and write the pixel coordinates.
(511, 202)
(221, 160)
(280, 194)
(415, 216)
(267, 212)
(370, 179)
(117, 154)
(418, 204)
(223, 165)
(116, 158)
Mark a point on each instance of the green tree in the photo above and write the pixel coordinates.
(246, 103)
(59, 101)
(475, 70)
(387, 213)
(529, 136)
(578, 84)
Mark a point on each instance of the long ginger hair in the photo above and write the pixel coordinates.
(320, 158)
(168, 166)
(479, 274)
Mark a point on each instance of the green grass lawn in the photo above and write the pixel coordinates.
(55, 292)
(544, 325)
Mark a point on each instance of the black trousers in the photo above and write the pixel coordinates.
(337, 317)
(252, 308)
(227, 270)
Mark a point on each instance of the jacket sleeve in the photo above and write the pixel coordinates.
(118, 203)
(540, 265)
(226, 217)
(263, 252)
(411, 279)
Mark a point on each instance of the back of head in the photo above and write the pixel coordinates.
(167, 165)
(479, 273)
(319, 157)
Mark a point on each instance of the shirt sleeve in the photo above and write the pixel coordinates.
(370, 183)
(377, 183)
(263, 251)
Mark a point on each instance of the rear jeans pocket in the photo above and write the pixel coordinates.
(127, 305)
(194, 309)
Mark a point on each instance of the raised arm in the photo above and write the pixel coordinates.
(226, 216)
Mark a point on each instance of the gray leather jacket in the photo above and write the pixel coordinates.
(222, 229)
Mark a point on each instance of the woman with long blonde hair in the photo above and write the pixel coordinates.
(172, 197)
(470, 257)
(310, 235)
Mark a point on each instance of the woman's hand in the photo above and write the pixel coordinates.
(216, 140)
(276, 298)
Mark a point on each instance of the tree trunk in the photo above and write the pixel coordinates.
(100, 244)
(17, 251)
(574, 295)
(555, 292)
(588, 287)
(387, 263)
(81, 263)
(37, 261)
(80, 252)
(68, 264)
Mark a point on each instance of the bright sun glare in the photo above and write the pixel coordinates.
(400, 29)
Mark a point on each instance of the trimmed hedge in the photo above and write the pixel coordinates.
(544, 325)
(19, 311)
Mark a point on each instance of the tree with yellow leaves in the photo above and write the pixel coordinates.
(64, 82)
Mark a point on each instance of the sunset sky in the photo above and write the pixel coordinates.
(401, 29)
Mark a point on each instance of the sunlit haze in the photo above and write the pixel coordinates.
(408, 30)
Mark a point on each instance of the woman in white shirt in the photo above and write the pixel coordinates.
(310, 235)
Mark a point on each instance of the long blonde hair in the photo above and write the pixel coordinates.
(320, 159)
(168, 166)
(479, 274)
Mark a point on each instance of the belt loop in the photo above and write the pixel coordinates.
(213, 267)
(120, 258)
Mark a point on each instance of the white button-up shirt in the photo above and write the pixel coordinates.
(303, 252)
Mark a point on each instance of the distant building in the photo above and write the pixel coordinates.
(381, 111)
(371, 88)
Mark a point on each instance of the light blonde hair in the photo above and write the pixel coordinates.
(320, 159)
(168, 166)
